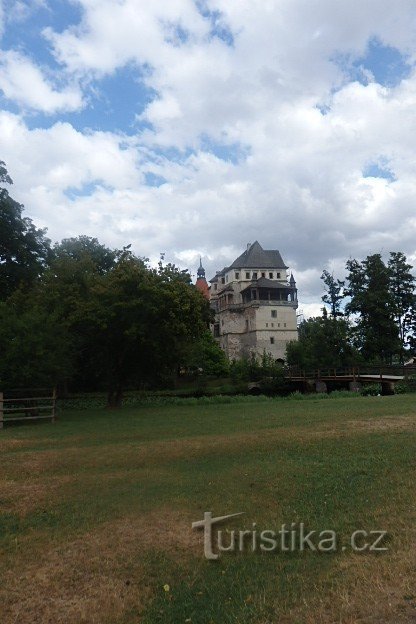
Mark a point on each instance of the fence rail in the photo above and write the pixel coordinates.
(380, 372)
(14, 409)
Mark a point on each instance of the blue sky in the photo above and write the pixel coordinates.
(194, 127)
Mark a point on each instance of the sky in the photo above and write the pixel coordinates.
(193, 127)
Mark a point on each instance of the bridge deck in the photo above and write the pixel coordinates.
(381, 374)
(375, 378)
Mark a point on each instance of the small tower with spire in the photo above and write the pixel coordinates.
(292, 283)
(201, 282)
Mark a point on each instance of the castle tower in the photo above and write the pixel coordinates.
(255, 304)
(201, 282)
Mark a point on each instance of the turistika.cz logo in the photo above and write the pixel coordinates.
(293, 537)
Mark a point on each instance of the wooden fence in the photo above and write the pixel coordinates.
(27, 408)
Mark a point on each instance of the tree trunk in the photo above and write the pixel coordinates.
(115, 397)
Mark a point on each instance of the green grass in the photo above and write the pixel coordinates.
(96, 512)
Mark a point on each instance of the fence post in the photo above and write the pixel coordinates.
(54, 405)
(1, 410)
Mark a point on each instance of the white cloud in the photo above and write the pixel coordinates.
(23, 82)
(21, 10)
(301, 185)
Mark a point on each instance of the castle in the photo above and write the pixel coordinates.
(254, 304)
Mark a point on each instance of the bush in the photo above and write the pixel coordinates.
(371, 390)
(404, 386)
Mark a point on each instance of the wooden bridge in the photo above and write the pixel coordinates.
(388, 376)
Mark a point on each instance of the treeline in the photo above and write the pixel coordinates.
(371, 317)
(80, 314)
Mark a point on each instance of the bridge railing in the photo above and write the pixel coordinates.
(354, 372)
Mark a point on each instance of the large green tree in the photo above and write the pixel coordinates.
(323, 343)
(402, 289)
(141, 322)
(372, 306)
(24, 249)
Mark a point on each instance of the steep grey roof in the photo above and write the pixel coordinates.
(255, 257)
(263, 282)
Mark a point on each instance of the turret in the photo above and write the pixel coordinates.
(201, 270)
(201, 282)
(292, 283)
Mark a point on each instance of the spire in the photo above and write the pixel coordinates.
(201, 270)
(201, 282)
(292, 280)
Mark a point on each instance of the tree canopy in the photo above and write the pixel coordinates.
(24, 249)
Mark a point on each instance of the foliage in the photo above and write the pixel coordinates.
(334, 293)
(323, 343)
(372, 302)
(34, 346)
(136, 323)
(103, 319)
(24, 249)
(402, 286)
(86, 247)
(374, 389)
(265, 370)
(206, 356)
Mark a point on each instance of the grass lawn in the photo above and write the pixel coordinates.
(96, 513)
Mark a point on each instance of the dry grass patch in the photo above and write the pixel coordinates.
(23, 497)
(369, 588)
(98, 577)
(389, 423)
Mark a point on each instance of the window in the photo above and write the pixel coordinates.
(237, 276)
(278, 275)
(267, 324)
(274, 313)
(272, 324)
(222, 280)
(215, 287)
(246, 324)
(247, 275)
(271, 339)
(278, 324)
(263, 274)
(270, 275)
(254, 275)
(284, 324)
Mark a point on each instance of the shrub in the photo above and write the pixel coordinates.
(371, 390)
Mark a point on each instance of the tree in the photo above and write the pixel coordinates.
(323, 343)
(138, 323)
(206, 355)
(34, 346)
(24, 249)
(334, 293)
(81, 247)
(402, 288)
(372, 305)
